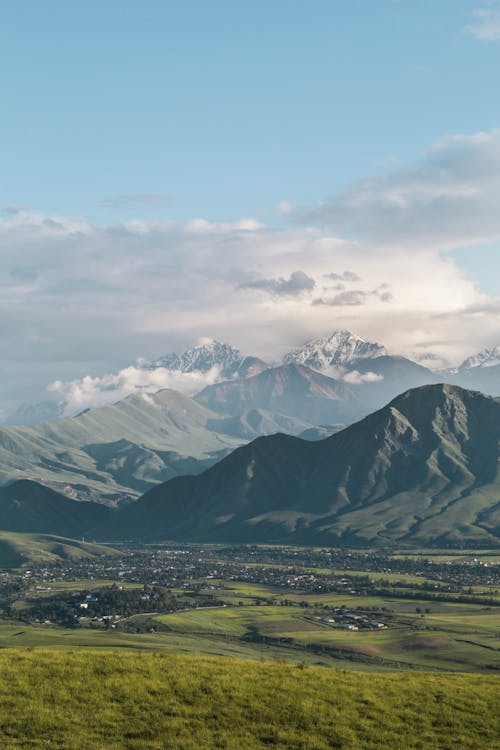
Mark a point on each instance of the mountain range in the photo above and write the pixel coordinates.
(117, 452)
(423, 470)
(376, 374)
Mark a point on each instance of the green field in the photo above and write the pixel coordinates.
(451, 637)
(125, 701)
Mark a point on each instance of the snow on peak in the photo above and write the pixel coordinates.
(203, 357)
(484, 358)
(339, 349)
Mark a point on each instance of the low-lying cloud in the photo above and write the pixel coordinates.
(358, 378)
(89, 391)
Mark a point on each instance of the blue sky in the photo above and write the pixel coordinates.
(222, 109)
(176, 170)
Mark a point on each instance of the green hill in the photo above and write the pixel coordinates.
(22, 549)
(422, 470)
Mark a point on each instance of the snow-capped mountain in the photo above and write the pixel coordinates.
(208, 354)
(342, 348)
(484, 358)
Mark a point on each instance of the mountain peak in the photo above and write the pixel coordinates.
(206, 354)
(484, 358)
(340, 348)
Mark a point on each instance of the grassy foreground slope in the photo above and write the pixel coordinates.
(115, 701)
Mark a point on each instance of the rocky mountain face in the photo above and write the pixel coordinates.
(422, 470)
(208, 355)
(484, 358)
(292, 390)
(341, 348)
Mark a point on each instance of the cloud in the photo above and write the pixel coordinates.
(357, 378)
(448, 198)
(355, 296)
(344, 298)
(487, 24)
(92, 391)
(345, 276)
(80, 299)
(297, 283)
(138, 199)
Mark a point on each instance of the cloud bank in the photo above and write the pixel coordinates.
(78, 299)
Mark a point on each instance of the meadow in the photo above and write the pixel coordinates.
(137, 701)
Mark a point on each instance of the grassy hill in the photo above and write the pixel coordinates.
(22, 549)
(85, 701)
(422, 470)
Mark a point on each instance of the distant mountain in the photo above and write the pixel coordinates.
(221, 360)
(383, 378)
(484, 358)
(121, 449)
(341, 348)
(208, 355)
(422, 470)
(321, 432)
(480, 371)
(292, 390)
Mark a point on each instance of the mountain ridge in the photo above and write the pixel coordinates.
(422, 468)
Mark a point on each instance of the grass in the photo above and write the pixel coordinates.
(18, 549)
(451, 637)
(87, 701)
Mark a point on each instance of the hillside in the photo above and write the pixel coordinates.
(121, 449)
(422, 470)
(126, 448)
(191, 703)
(18, 549)
(29, 507)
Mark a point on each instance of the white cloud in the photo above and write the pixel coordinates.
(79, 299)
(486, 26)
(89, 391)
(449, 198)
(357, 378)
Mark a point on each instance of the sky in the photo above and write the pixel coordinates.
(261, 172)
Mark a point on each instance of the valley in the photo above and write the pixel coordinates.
(360, 609)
